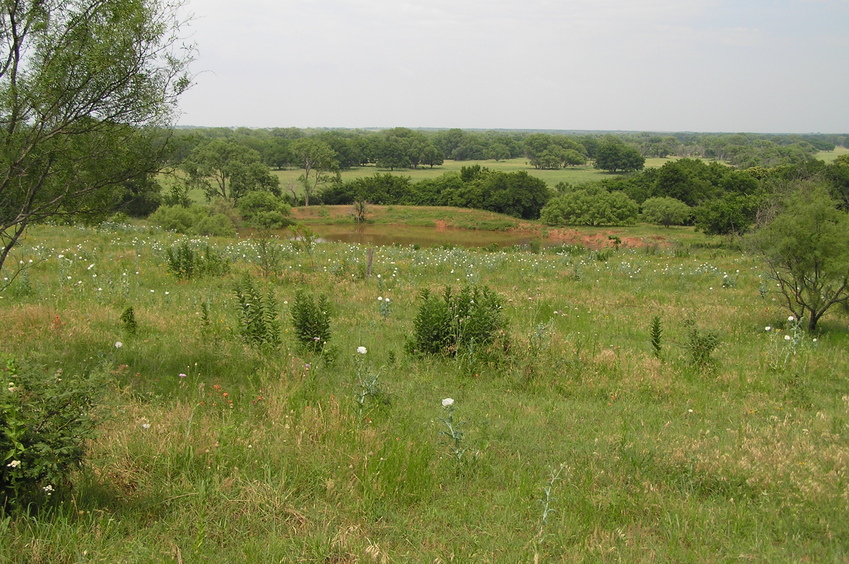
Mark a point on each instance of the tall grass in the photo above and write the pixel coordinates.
(263, 455)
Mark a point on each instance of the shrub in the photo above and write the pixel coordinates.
(261, 209)
(196, 220)
(590, 207)
(45, 420)
(311, 319)
(446, 325)
(185, 261)
(258, 322)
(700, 345)
(666, 211)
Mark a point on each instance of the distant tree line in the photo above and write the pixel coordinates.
(720, 196)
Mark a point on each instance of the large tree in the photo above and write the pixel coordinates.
(85, 88)
(613, 155)
(317, 159)
(806, 250)
(227, 169)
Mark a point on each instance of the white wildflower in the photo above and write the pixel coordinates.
(362, 350)
(447, 402)
(14, 464)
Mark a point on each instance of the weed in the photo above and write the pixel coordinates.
(186, 262)
(700, 344)
(258, 318)
(311, 319)
(656, 333)
(472, 317)
(128, 320)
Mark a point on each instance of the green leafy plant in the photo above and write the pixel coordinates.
(656, 335)
(452, 430)
(471, 318)
(46, 417)
(258, 319)
(311, 319)
(128, 319)
(700, 344)
(185, 261)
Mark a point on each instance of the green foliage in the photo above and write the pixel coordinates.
(666, 211)
(229, 170)
(46, 417)
(806, 249)
(264, 210)
(128, 320)
(471, 318)
(194, 220)
(700, 344)
(613, 155)
(258, 317)
(190, 259)
(269, 254)
(732, 214)
(656, 335)
(585, 207)
(86, 87)
(311, 320)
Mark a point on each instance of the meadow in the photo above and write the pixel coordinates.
(574, 175)
(583, 436)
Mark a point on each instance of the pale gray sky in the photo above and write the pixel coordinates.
(647, 65)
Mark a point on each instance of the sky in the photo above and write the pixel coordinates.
(765, 66)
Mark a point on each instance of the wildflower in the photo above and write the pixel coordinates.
(14, 464)
(787, 337)
(791, 319)
(181, 375)
(767, 328)
(380, 298)
(118, 344)
(48, 489)
(362, 350)
(447, 402)
(307, 366)
(145, 425)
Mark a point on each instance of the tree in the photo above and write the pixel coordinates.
(807, 252)
(86, 87)
(317, 159)
(227, 169)
(666, 211)
(613, 155)
(732, 214)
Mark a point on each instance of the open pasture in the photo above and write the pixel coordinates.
(579, 440)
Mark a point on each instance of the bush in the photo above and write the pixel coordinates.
(195, 220)
(263, 210)
(590, 207)
(311, 319)
(446, 325)
(185, 261)
(45, 420)
(666, 211)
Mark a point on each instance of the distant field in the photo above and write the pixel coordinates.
(829, 156)
(575, 175)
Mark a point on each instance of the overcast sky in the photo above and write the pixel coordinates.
(637, 65)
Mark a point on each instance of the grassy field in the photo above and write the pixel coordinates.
(578, 443)
(573, 175)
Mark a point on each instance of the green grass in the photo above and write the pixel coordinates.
(266, 456)
(573, 175)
